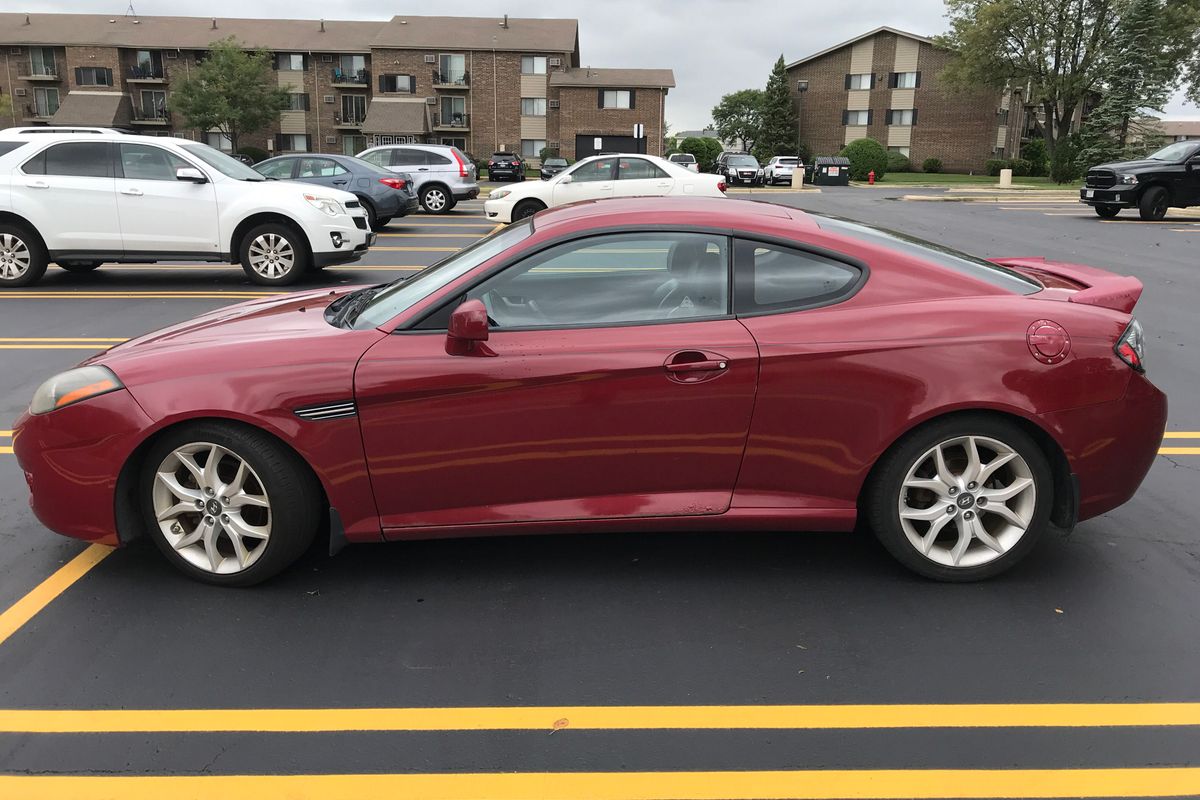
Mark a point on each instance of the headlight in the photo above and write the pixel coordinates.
(1127, 179)
(326, 204)
(499, 193)
(73, 386)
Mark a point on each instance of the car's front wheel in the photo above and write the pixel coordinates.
(1107, 212)
(961, 499)
(1154, 203)
(227, 504)
(23, 260)
(274, 255)
(527, 208)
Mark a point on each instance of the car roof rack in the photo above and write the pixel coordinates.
(35, 129)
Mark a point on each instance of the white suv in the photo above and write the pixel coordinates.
(81, 199)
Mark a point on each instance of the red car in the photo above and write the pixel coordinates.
(637, 364)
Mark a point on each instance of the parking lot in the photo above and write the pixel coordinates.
(680, 665)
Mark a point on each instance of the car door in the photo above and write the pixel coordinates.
(158, 212)
(69, 193)
(620, 386)
(323, 171)
(637, 177)
(592, 180)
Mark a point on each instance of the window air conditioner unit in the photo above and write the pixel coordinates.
(16, 51)
(171, 54)
(327, 57)
(556, 62)
(553, 104)
(327, 98)
(430, 59)
(431, 101)
(330, 140)
(19, 91)
(552, 145)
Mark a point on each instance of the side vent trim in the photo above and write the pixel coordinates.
(325, 411)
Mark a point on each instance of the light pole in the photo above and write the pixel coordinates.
(801, 88)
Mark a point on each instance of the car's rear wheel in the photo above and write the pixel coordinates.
(1154, 203)
(381, 223)
(1107, 212)
(372, 221)
(227, 504)
(527, 208)
(436, 200)
(961, 499)
(79, 266)
(23, 260)
(274, 255)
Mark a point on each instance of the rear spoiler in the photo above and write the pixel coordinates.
(1097, 287)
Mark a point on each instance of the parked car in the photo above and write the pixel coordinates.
(686, 160)
(83, 199)
(779, 169)
(444, 174)
(383, 194)
(506, 166)
(552, 166)
(600, 177)
(740, 366)
(1168, 178)
(738, 168)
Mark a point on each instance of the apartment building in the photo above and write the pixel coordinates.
(483, 84)
(886, 85)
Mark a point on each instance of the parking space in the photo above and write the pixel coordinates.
(680, 665)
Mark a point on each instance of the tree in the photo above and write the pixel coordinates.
(866, 155)
(232, 91)
(778, 126)
(738, 117)
(6, 106)
(704, 148)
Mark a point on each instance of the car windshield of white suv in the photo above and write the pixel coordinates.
(1174, 152)
(226, 165)
(787, 162)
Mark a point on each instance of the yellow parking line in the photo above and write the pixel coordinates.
(1179, 451)
(41, 596)
(6, 433)
(440, 225)
(1182, 435)
(728, 785)
(6, 450)
(64, 339)
(419, 249)
(429, 235)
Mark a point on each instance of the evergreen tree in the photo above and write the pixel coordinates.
(778, 133)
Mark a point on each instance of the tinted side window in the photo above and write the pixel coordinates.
(144, 162)
(35, 165)
(633, 169)
(436, 158)
(774, 278)
(601, 170)
(319, 168)
(8, 147)
(82, 159)
(406, 157)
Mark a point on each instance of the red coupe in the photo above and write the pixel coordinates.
(640, 364)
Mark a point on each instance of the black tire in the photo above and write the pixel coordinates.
(527, 208)
(436, 199)
(1154, 204)
(523, 177)
(381, 223)
(371, 216)
(881, 499)
(1107, 212)
(295, 241)
(79, 266)
(21, 255)
(288, 482)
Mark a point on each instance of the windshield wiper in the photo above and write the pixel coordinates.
(354, 304)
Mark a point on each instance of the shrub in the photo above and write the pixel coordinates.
(866, 155)
(932, 165)
(1064, 167)
(256, 153)
(994, 165)
(1020, 167)
(1034, 152)
(898, 162)
(548, 152)
(704, 148)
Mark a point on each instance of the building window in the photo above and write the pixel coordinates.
(902, 116)
(1002, 116)
(93, 76)
(856, 117)
(297, 102)
(351, 69)
(454, 111)
(219, 141)
(452, 68)
(533, 106)
(353, 145)
(293, 142)
(41, 61)
(532, 148)
(148, 64)
(616, 98)
(45, 102)
(354, 109)
(451, 141)
(906, 80)
(901, 150)
(153, 104)
(290, 62)
(865, 80)
(533, 65)
(998, 152)
(396, 84)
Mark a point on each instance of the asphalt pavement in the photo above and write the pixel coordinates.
(680, 665)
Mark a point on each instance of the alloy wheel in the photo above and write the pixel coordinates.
(15, 257)
(212, 508)
(435, 199)
(967, 501)
(272, 256)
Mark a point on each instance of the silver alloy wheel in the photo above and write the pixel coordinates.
(272, 256)
(981, 485)
(15, 257)
(212, 508)
(435, 199)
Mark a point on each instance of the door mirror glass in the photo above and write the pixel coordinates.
(566, 179)
(190, 174)
(468, 330)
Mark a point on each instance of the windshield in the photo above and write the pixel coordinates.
(743, 161)
(1174, 152)
(556, 162)
(686, 158)
(978, 268)
(403, 295)
(226, 165)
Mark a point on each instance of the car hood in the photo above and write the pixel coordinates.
(1134, 166)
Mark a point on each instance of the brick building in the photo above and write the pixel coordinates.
(483, 84)
(886, 85)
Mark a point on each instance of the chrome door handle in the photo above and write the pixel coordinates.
(697, 366)
(37, 184)
(132, 190)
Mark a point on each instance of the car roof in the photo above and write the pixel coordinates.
(718, 212)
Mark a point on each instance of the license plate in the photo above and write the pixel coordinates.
(1089, 193)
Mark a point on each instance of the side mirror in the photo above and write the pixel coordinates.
(566, 179)
(190, 174)
(468, 330)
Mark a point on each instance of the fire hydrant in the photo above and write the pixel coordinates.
(871, 177)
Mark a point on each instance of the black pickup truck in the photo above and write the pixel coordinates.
(1165, 179)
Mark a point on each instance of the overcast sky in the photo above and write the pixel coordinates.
(714, 46)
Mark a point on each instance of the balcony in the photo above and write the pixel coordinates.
(38, 72)
(151, 116)
(39, 113)
(452, 122)
(350, 121)
(146, 74)
(360, 79)
(451, 80)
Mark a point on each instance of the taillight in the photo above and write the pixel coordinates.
(1130, 347)
(491, 163)
(395, 183)
(462, 167)
(721, 185)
